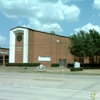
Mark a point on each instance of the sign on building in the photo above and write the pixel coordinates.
(44, 58)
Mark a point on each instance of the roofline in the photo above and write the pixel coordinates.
(4, 48)
(39, 31)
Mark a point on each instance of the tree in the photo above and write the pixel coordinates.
(85, 44)
(77, 47)
(93, 45)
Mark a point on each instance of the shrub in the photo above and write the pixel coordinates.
(77, 69)
(70, 65)
(91, 66)
(54, 65)
(0, 64)
(23, 64)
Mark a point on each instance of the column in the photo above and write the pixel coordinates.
(3, 60)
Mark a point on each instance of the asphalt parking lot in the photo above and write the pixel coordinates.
(47, 86)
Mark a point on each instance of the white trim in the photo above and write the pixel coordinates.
(12, 44)
(25, 47)
(12, 48)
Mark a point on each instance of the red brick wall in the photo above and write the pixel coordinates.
(31, 46)
(19, 49)
(45, 44)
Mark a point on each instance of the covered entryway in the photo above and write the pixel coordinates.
(4, 59)
(4, 56)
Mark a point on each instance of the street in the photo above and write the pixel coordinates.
(44, 86)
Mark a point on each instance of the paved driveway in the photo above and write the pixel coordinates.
(45, 86)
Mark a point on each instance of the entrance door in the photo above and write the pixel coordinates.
(60, 62)
(64, 62)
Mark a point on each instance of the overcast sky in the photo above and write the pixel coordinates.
(64, 17)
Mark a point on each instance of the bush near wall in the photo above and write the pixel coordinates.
(0, 64)
(70, 65)
(54, 65)
(91, 66)
(23, 64)
(85, 66)
(77, 69)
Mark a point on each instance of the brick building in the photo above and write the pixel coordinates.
(4, 56)
(28, 46)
